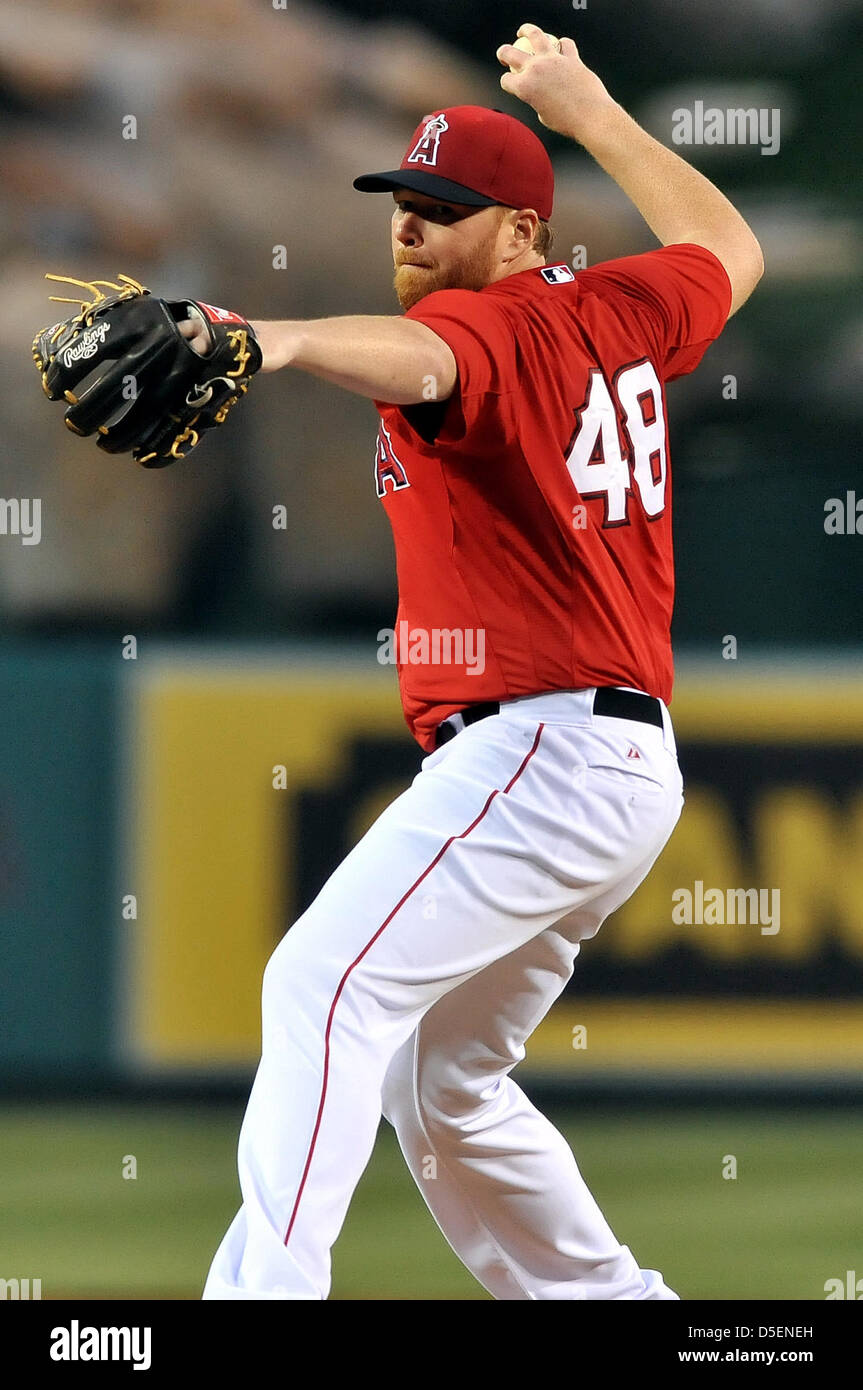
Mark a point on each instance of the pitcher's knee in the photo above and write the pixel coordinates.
(397, 1091)
(451, 1094)
(308, 983)
(297, 987)
(284, 970)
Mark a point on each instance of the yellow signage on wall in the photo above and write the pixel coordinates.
(218, 755)
(225, 750)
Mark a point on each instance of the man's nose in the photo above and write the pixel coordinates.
(408, 229)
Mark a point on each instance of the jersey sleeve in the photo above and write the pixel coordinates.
(482, 337)
(680, 295)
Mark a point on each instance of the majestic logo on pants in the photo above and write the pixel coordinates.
(426, 148)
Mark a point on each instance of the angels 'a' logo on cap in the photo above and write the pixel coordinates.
(426, 148)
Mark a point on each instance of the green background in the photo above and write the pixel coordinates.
(68, 1216)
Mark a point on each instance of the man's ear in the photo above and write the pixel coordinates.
(523, 224)
(528, 222)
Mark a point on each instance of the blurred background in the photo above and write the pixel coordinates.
(164, 646)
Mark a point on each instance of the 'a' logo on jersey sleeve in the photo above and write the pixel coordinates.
(388, 465)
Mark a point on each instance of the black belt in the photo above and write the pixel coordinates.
(620, 704)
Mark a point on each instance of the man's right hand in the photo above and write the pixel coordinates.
(566, 95)
(676, 201)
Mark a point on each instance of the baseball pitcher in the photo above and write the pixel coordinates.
(522, 458)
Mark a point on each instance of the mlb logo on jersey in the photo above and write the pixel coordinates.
(556, 274)
(426, 148)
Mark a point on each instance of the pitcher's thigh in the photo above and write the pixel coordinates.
(452, 876)
(476, 1033)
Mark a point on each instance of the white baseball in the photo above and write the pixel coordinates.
(526, 46)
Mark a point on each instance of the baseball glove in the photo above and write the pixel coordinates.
(129, 375)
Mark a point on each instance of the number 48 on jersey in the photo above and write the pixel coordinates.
(595, 461)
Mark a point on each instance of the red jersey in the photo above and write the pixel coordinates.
(531, 511)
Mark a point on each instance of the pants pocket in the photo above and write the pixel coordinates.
(639, 780)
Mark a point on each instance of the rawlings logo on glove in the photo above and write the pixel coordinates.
(126, 335)
(88, 345)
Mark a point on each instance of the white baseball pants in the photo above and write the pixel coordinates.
(410, 987)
